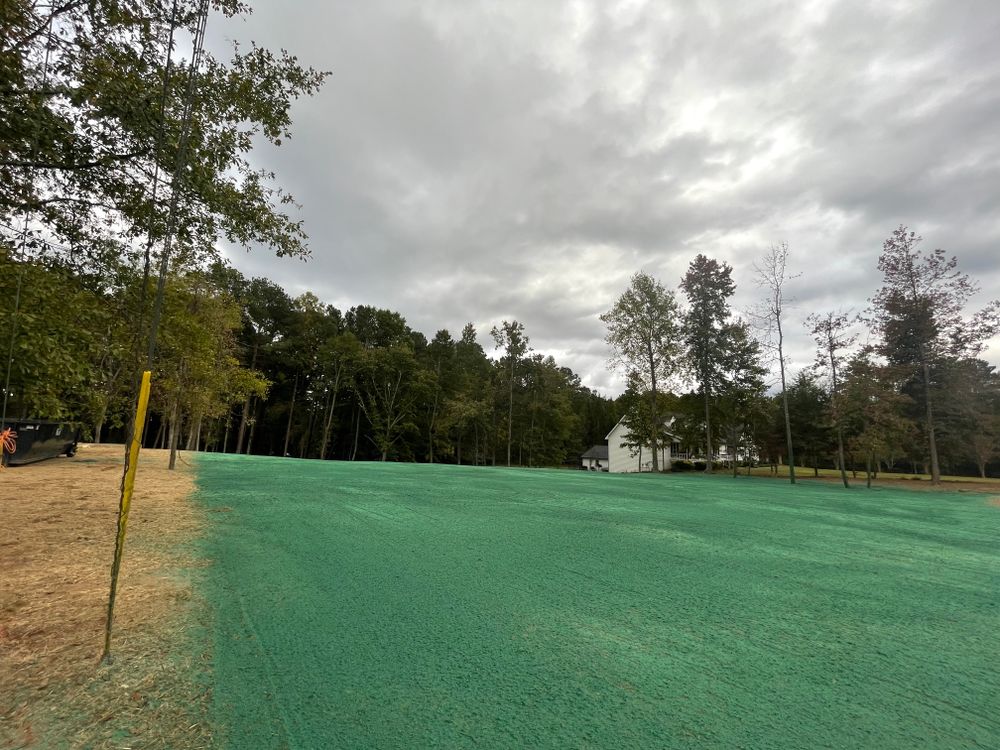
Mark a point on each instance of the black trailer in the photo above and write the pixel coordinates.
(39, 439)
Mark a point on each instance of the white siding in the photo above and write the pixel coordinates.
(621, 460)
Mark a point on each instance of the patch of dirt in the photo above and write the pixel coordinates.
(987, 486)
(56, 546)
(947, 485)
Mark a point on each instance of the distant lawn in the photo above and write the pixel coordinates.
(809, 472)
(367, 605)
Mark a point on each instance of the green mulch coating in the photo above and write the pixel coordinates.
(415, 606)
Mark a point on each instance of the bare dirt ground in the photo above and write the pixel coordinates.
(56, 545)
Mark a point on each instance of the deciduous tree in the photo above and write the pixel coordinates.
(773, 277)
(832, 336)
(644, 335)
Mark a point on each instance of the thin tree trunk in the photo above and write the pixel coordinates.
(708, 431)
(868, 470)
(174, 435)
(458, 448)
(836, 416)
(531, 433)
(246, 405)
(357, 430)
(654, 417)
(784, 403)
(510, 409)
(329, 416)
(433, 419)
(241, 433)
(935, 467)
(253, 428)
(291, 411)
(225, 436)
(99, 425)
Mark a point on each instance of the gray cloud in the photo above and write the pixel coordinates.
(478, 161)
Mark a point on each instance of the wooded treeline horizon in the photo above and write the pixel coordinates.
(124, 164)
(242, 366)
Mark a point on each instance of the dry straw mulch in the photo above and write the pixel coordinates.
(56, 545)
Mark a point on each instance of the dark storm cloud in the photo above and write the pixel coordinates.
(479, 161)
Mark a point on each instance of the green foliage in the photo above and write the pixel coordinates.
(708, 286)
(643, 333)
(53, 339)
(741, 400)
(919, 313)
(86, 126)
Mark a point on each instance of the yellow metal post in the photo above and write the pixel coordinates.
(128, 484)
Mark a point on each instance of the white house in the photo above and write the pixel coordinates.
(595, 459)
(622, 460)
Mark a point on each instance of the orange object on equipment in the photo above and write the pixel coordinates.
(8, 443)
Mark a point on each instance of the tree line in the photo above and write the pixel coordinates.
(243, 367)
(914, 395)
(124, 160)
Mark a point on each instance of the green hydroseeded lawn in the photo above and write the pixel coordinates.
(361, 605)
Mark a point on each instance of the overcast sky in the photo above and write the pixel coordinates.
(471, 161)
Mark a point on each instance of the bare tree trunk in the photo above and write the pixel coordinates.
(241, 433)
(329, 417)
(189, 445)
(732, 451)
(458, 448)
(433, 420)
(935, 467)
(291, 411)
(174, 434)
(99, 424)
(868, 470)
(357, 430)
(246, 406)
(510, 410)
(531, 434)
(158, 439)
(708, 434)
(784, 405)
(653, 416)
(225, 436)
(253, 427)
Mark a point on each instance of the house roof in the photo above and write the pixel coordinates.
(666, 423)
(598, 452)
